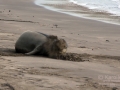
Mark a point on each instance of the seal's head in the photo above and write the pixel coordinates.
(60, 46)
(55, 47)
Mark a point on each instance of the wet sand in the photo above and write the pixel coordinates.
(97, 43)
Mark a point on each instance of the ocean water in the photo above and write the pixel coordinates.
(102, 10)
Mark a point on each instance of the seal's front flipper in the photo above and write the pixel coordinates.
(32, 52)
(35, 51)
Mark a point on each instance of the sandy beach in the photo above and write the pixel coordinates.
(98, 44)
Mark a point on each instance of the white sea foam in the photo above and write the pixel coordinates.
(111, 6)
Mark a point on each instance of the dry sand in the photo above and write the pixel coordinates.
(100, 42)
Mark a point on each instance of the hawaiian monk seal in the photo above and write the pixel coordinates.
(38, 43)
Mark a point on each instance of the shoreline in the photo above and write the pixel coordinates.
(83, 12)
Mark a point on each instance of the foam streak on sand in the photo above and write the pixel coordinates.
(83, 9)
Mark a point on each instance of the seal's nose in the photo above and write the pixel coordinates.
(64, 50)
